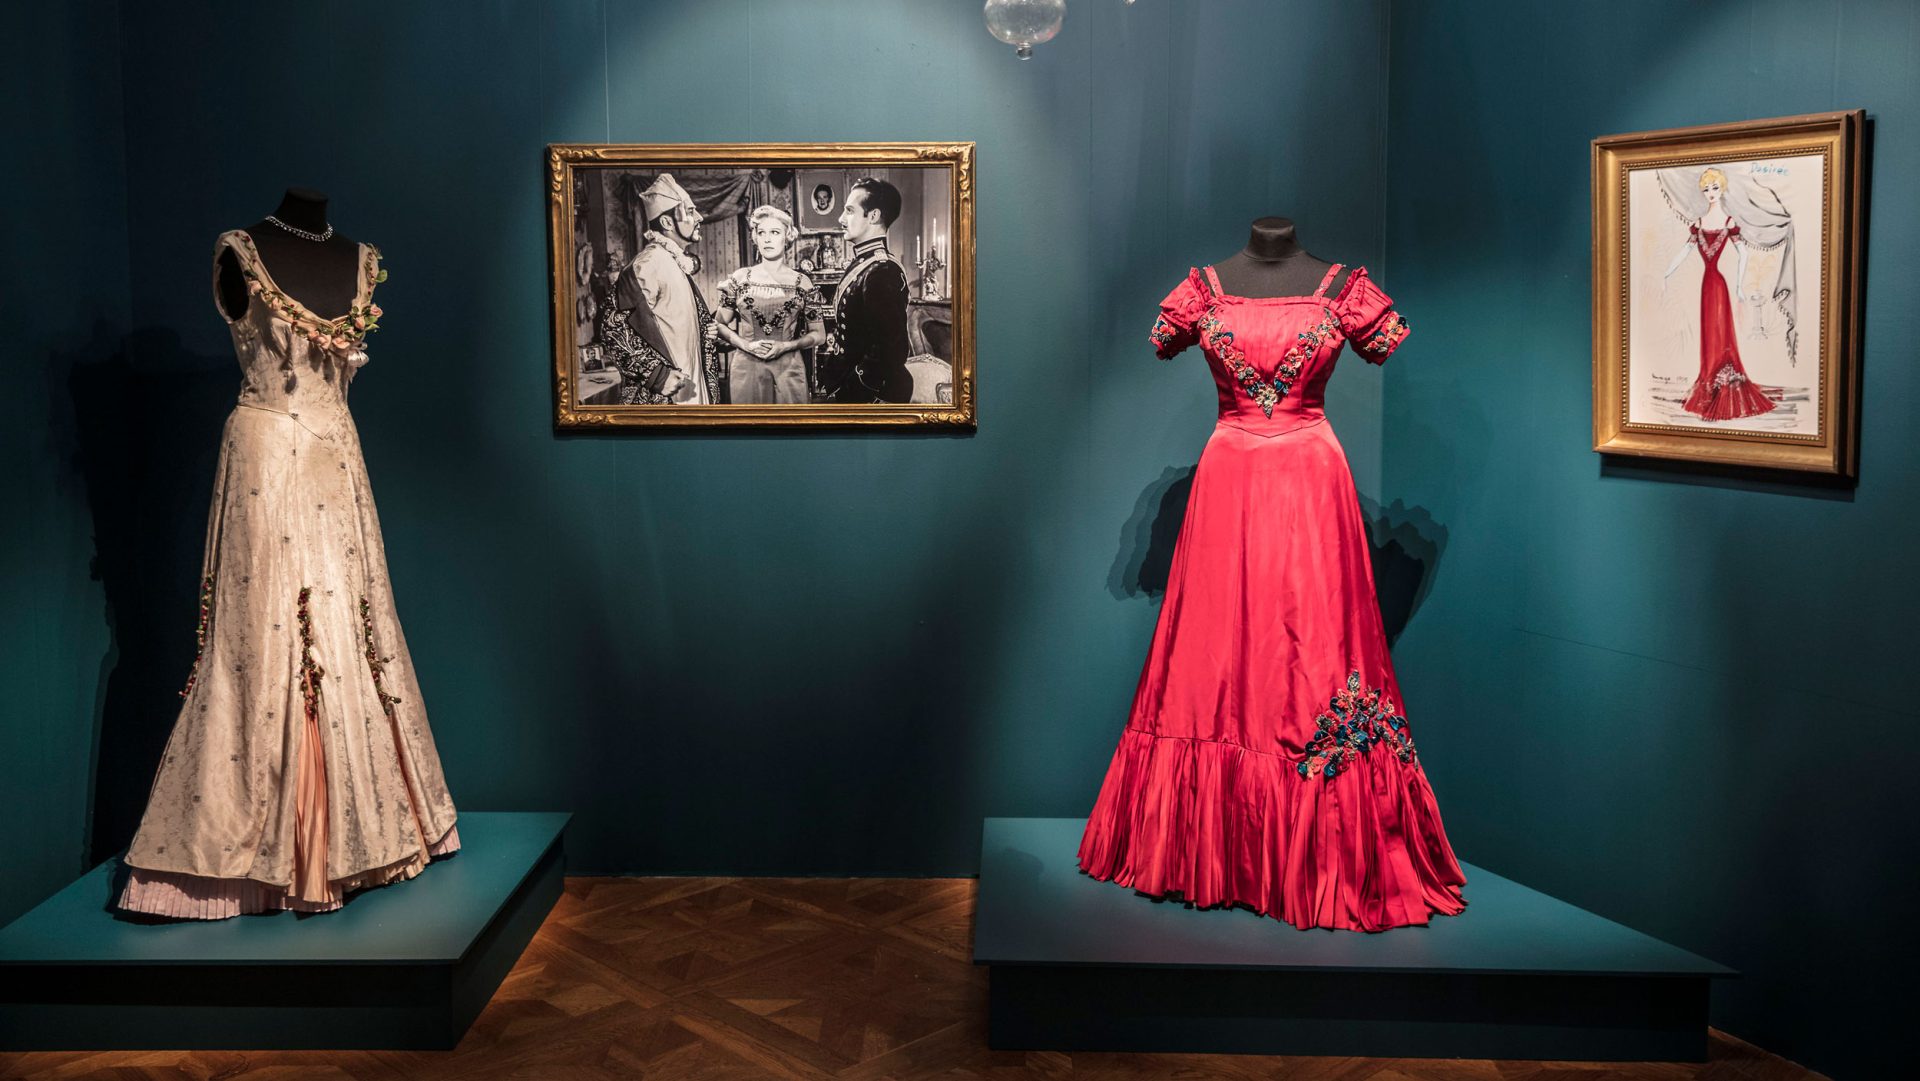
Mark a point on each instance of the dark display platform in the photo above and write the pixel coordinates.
(1081, 965)
(404, 966)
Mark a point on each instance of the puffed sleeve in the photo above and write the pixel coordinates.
(729, 292)
(1368, 318)
(1175, 329)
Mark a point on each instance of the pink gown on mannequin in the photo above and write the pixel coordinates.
(1268, 761)
(301, 766)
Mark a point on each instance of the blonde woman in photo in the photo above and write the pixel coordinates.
(768, 315)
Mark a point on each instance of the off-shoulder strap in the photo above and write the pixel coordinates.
(232, 240)
(242, 245)
(1213, 283)
(369, 271)
(1328, 280)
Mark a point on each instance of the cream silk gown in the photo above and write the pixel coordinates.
(301, 766)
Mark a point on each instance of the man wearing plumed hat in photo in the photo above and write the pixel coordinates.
(662, 303)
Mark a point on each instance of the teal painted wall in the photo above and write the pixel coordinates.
(728, 653)
(1681, 701)
(63, 312)
(1672, 698)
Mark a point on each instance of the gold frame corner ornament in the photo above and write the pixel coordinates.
(563, 159)
(1838, 137)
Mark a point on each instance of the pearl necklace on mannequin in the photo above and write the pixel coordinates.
(301, 233)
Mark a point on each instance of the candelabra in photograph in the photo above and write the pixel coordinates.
(930, 266)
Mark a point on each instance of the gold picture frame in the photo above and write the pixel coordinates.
(594, 236)
(1726, 293)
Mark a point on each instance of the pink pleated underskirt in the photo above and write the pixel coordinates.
(194, 897)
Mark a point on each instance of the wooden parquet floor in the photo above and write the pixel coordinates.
(700, 979)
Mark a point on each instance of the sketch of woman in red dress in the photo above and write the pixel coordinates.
(1723, 390)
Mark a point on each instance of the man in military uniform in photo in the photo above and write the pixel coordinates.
(866, 357)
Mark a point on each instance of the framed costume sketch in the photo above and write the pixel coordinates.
(1726, 293)
(762, 284)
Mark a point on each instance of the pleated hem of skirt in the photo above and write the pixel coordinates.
(179, 895)
(1216, 825)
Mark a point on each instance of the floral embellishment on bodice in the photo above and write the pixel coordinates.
(1266, 393)
(1710, 241)
(770, 323)
(344, 334)
(776, 310)
(1354, 722)
(1304, 333)
(1305, 345)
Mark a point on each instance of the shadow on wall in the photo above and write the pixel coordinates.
(142, 435)
(1732, 478)
(1145, 558)
(1405, 545)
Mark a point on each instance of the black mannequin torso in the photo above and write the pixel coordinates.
(324, 276)
(1273, 264)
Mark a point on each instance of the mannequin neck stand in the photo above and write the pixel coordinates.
(1273, 264)
(323, 275)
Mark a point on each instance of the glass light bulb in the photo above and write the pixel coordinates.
(1025, 23)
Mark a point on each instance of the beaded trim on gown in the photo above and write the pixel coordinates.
(301, 766)
(1267, 760)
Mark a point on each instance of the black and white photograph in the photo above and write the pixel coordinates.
(765, 289)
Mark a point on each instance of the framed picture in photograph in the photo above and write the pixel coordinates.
(818, 192)
(762, 284)
(1726, 293)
